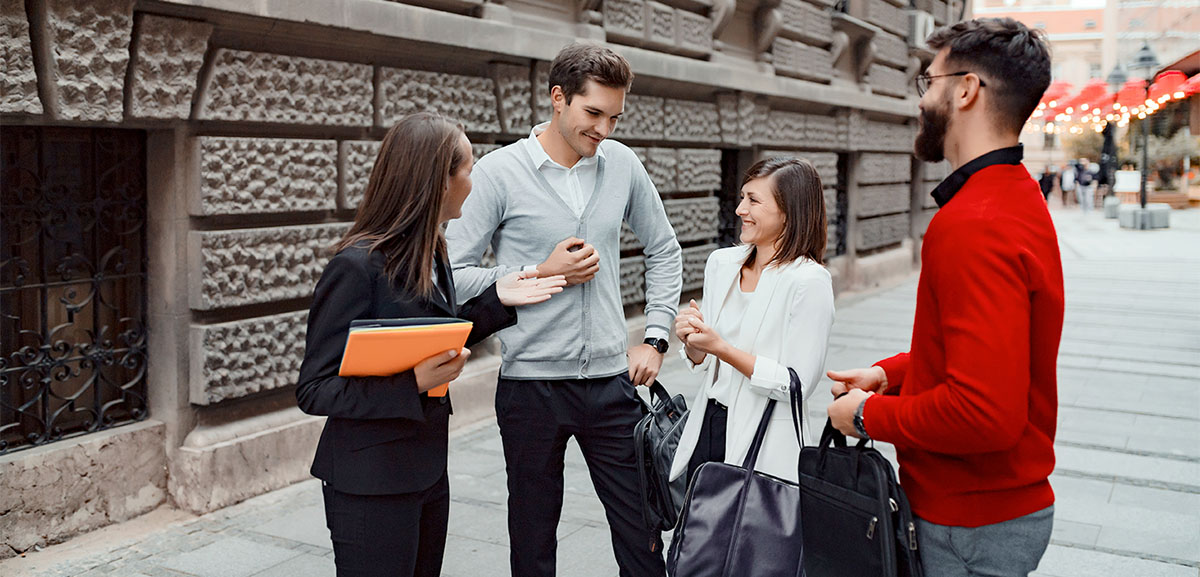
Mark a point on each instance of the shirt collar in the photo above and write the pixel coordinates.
(540, 158)
(953, 183)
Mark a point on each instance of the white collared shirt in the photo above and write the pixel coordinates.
(575, 184)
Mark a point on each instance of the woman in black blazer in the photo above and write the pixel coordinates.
(382, 455)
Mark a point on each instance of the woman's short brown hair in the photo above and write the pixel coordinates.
(798, 193)
(578, 63)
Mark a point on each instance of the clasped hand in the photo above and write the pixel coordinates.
(696, 335)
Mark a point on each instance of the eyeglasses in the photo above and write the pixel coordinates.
(924, 80)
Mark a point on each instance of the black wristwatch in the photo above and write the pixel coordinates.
(859, 427)
(659, 345)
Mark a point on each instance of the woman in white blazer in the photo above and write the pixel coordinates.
(767, 306)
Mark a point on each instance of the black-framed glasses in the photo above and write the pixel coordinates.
(924, 80)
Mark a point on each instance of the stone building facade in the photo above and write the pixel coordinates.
(219, 147)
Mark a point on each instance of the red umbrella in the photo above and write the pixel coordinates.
(1168, 85)
(1192, 86)
(1133, 94)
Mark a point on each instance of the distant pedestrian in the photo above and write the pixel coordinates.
(1046, 181)
(1066, 183)
(1085, 184)
(972, 408)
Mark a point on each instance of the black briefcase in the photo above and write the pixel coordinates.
(738, 522)
(855, 515)
(655, 440)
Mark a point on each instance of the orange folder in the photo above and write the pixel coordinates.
(388, 346)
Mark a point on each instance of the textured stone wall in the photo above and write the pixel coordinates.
(235, 359)
(655, 25)
(891, 50)
(18, 83)
(357, 158)
(266, 175)
(874, 233)
(644, 118)
(937, 171)
(883, 136)
(170, 52)
(694, 259)
(468, 99)
(633, 271)
(661, 164)
(887, 80)
(880, 199)
(802, 61)
(90, 43)
(698, 170)
(807, 131)
(884, 168)
(243, 267)
(806, 22)
(694, 219)
(513, 92)
(886, 15)
(51, 493)
(262, 87)
(691, 121)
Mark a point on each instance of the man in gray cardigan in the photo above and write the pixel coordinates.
(555, 202)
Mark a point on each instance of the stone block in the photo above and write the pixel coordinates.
(694, 219)
(661, 23)
(633, 281)
(883, 137)
(888, 81)
(887, 16)
(470, 100)
(727, 117)
(694, 32)
(691, 121)
(884, 168)
(891, 50)
(927, 200)
(1155, 215)
(513, 93)
(90, 53)
(543, 111)
(883, 199)
(694, 259)
(18, 84)
(265, 175)
(240, 358)
(242, 267)
(644, 118)
(219, 465)
(357, 158)
(479, 150)
(800, 60)
(263, 87)
(699, 170)
(882, 231)
(662, 166)
(53, 492)
(826, 164)
(625, 19)
(228, 557)
(753, 119)
(922, 221)
(823, 132)
(166, 67)
(784, 129)
(806, 22)
(936, 171)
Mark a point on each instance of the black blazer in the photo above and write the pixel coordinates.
(382, 437)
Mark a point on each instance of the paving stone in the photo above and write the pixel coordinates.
(230, 557)
(306, 525)
(1062, 561)
(471, 558)
(301, 566)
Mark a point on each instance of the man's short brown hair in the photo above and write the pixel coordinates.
(578, 63)
(1012, 59)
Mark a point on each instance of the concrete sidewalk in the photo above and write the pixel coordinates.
(1128, 446)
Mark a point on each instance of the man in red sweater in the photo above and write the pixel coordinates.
(971, 408)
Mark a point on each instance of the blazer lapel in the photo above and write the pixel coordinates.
(727, 276)
(445, 288)
(757, 311)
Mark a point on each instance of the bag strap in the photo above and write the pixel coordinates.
(756, 444)
(657, 390)
(794, 389)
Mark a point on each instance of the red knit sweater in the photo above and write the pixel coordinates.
(972, 408)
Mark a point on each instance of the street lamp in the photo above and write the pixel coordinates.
(1145, 59)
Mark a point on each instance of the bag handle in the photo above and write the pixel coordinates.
(756, 444)
(658, 390)
(794, 389)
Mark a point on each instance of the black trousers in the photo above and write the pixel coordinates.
(711, 444)
(536, 419)
(389, 535)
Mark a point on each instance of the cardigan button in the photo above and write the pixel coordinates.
(442, 400)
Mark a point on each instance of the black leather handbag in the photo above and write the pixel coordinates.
(655, 440)
(738, 522)
(855, 515)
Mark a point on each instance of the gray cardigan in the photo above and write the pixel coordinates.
(580, 332)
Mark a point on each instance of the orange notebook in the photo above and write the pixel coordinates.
(385, 347)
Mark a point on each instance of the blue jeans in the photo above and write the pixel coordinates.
(1007, 549)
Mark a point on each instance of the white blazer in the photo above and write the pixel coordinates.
(786, 325)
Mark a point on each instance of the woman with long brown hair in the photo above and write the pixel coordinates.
(382, 454)
(767, 306)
